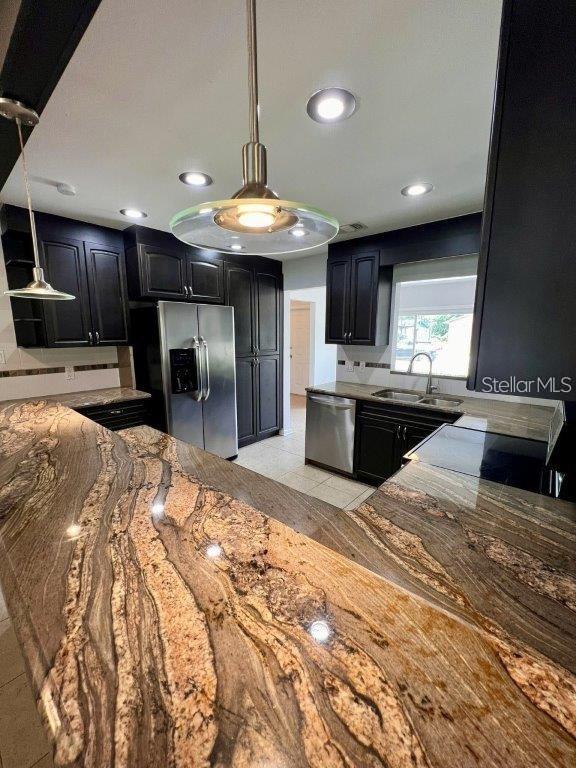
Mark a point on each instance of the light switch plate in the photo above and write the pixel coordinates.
(69, 370)
(350, 365)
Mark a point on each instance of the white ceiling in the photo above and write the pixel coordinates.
(156, 88)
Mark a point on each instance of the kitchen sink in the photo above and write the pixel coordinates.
(441, 402)
(404, 397)
(417, 398)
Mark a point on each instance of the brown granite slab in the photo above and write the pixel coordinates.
(486, 414)
(167, 623)
(94, 397)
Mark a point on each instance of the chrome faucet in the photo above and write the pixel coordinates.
(429, 387)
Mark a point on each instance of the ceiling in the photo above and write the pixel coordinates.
(155, 89)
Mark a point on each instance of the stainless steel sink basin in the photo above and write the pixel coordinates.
(403, 397)
(440, 402)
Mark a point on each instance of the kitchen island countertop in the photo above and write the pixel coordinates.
(173, 613)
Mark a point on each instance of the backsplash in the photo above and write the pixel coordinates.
(377, 372)
(37, 372)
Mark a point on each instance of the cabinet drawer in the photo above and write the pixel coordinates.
(408, 414)
(118, 415)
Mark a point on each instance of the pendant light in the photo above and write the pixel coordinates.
(254, 220)
(38, 288)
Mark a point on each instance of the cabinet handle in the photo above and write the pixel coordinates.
(185, 291)
(190, 294)
(404, 432)
(97, 338)
(117, 412)
(90, 339)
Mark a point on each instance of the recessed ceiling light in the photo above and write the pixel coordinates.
(331, 105)
(414, 190)
(133, 213)
(195, 179)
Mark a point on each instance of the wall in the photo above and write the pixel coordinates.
(305, 280)
(101, 361)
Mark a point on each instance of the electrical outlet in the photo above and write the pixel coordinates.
(2, 357)
(350, 365)
(69, 371)
(362, 365)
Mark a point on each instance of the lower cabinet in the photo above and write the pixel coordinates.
(258, 397)
(384, 434)
(131, 413)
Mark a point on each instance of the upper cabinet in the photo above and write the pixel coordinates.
(78, 258)
(358, 297)
(525, 310)
(162, 267)
(359, 274)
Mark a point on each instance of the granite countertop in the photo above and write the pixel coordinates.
(173, 609)
(94, 397)
(486, 414)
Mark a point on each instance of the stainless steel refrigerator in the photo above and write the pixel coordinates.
(185, 357)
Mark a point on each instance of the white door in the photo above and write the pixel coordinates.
(299, 348)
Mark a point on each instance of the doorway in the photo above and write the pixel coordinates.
(300, 347)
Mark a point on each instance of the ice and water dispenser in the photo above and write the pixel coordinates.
(184, 371)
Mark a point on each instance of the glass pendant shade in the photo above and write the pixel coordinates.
(254, 220)
(224, 225)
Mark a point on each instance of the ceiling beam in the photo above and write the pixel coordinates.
(44, 37)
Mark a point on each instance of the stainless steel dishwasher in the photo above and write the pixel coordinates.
(330, 431)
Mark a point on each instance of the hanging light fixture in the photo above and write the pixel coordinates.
(260, 221)
(38, 288)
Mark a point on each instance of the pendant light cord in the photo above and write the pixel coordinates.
(28, 196)
(253, 69)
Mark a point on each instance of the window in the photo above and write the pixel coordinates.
(433, 307)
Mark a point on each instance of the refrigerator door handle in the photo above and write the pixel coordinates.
(197, 394)
(206, 386)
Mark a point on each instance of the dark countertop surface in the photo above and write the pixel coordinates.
(170, 606)
(92, 397)
(487, 414)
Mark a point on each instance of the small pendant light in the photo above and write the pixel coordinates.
(254, 220)
(38, 288)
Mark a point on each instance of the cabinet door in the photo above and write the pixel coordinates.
(240, 295)
(205, 276)
(68, 323)
(337, 299)
(376, 452)
(246, 388)
(363, 297)
(162, 272)
(107, 286)
(267, 316)
(268, 373)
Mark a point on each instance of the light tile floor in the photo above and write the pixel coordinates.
(23, 743)
(282, 459)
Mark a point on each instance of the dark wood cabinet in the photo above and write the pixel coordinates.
(205, 276)
(240, 295)
(525, 310)
(253, 286)
(107, 288)
(68, 323)
(162, 267)
(161, 272)
(385, 433)
(114, 416)
(358, 297)
(78, 258)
